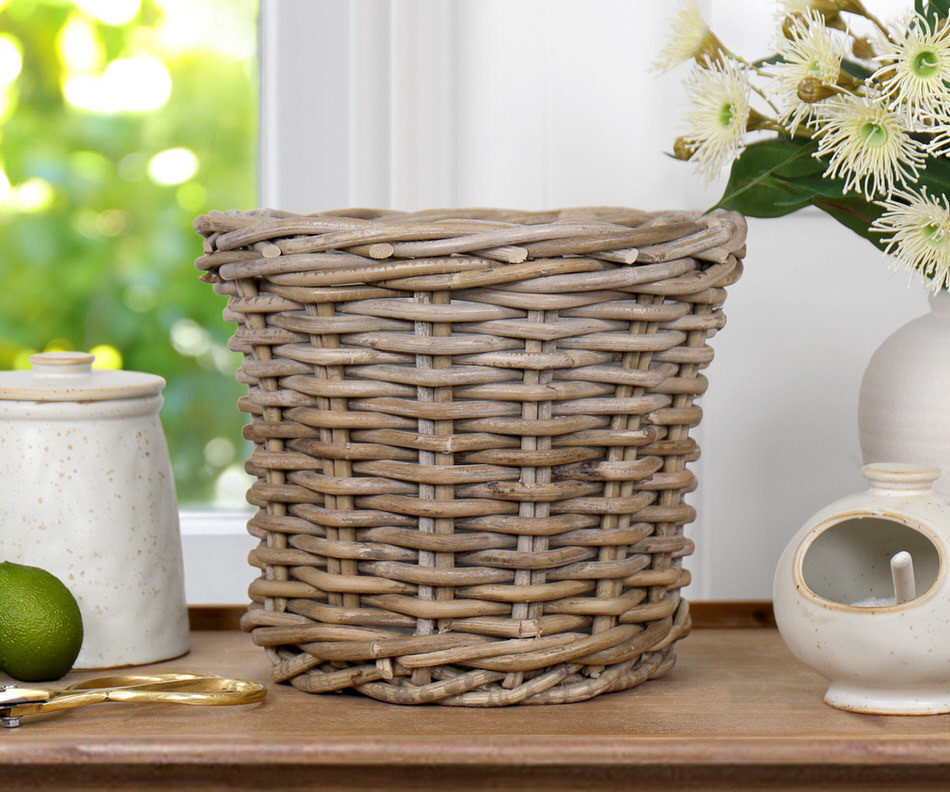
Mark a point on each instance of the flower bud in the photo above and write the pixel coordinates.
(683, 149)
(711, 51)
(852, 7)
(789, 23)
(757, 121)
(812, 90)
(829, 9)
(845, 80)
(862, 49)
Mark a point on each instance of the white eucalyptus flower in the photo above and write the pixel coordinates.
(865, 144)
(915, 69)
(719, 116)
(809, 51)
(688, 39)
(919, 225)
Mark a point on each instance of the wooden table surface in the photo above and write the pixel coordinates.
(737, 712)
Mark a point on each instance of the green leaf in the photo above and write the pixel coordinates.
(761, 180)
(856, 69)
(854, 213)
(936, 176)
(773, 178)
(799, 201)
(765, 198)
(819, 184)
(934, 10)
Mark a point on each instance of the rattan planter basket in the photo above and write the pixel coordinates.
(471, 432)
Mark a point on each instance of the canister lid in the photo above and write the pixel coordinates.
(69, 376)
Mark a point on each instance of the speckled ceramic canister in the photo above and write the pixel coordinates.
(88, 494)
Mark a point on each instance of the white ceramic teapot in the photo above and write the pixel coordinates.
(86, 492)
(861, 594)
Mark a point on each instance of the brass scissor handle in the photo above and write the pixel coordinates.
(174, 688)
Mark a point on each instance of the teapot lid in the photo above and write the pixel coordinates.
(69, 376)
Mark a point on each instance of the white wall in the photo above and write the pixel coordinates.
(546, 103)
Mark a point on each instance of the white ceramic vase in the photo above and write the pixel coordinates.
(904, 402)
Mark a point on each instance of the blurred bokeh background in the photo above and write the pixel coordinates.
(120, 121)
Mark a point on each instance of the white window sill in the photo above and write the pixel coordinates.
(215, 545)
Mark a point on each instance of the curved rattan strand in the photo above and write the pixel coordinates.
(471, 441)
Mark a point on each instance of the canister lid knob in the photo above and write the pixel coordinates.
(62, 364)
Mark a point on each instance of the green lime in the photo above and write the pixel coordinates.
(40, 624)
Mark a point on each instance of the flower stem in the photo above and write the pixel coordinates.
(758, 123)
(761, 73)
(857, 7)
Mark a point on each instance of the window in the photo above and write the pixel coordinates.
(402, 104)
(120, 121)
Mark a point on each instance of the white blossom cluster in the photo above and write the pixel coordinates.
(876, 105)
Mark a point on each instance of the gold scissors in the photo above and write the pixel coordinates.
(194, 689)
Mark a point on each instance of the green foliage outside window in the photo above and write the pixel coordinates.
(120, 121)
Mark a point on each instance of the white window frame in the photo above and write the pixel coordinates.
(344, 84)
(341, 87)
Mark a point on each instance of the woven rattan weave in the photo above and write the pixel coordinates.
(471, 432)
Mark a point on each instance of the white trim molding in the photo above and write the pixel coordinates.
(357, 104)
